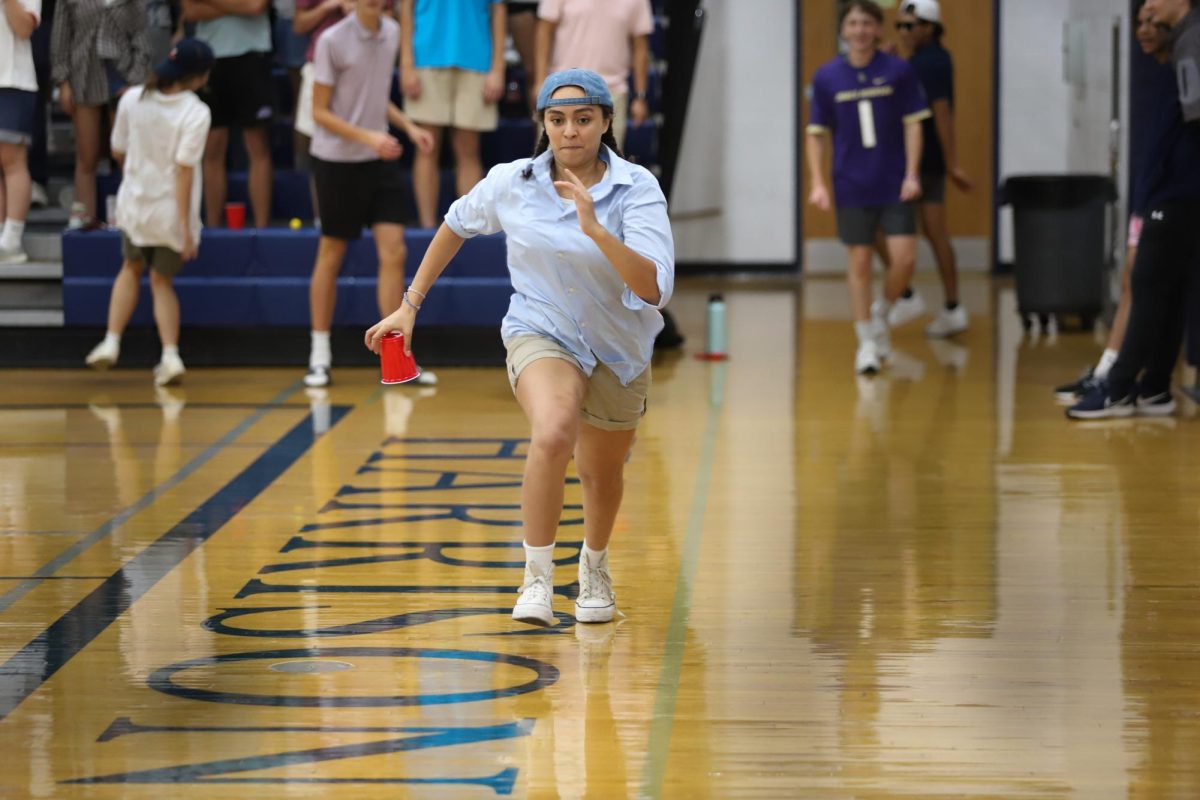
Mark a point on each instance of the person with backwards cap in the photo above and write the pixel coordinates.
(158, 138)
(592, 261)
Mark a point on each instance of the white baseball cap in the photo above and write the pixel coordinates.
(928, 10)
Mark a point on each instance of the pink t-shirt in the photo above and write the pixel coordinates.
(595, 35)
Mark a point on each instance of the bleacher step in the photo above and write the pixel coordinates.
(36, 270)
(31, 318)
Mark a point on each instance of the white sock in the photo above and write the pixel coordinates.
(10, 239)
(884, 307)
(1108, 358)
(320, 355)
(540, 558)
(595, 557)
(170, 351)
(113, 338)
(865, 331)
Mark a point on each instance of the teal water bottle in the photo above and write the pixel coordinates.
(715, 343)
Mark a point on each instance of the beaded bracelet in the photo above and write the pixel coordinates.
(410, 303)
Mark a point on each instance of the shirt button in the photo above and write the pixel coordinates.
(559, 254)
(583, 324)
(570, 291)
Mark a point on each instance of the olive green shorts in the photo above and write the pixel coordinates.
(608, 405)
(161, 259)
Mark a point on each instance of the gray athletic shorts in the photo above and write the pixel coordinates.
(857, 225)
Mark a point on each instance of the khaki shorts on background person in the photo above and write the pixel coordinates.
(452, 97)
(608, 405)
(161, 259)
(304, 118)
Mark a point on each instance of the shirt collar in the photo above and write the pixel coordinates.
(363, 31)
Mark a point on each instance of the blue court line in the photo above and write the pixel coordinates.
(34, 664)
(659, 745)
(71, 553)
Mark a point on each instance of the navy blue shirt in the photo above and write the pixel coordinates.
(1152, 99)
(1175, 176)
(935, 71)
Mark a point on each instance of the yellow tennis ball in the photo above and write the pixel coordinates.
(295, 224)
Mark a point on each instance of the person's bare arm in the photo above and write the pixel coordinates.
(943, 122)
(308, 18)
(383, 143)
(639, 109)
(910, 189)
(205, 10)
(814, 149)
(543, 45)
(493, 85)
(184, 175)
(20, 19)
(410, 81)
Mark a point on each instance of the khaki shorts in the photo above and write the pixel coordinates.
(161, 259)
(608, 405)
(620, 118)
(304, 118)
(454, 98)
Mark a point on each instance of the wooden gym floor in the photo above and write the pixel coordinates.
(926, 584)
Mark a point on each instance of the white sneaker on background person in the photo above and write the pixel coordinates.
(105, 354)
(906, 309)
(38, 197)
(12, 255)
(948, 322)
(881, 329)
(866, 360)
(170, 370)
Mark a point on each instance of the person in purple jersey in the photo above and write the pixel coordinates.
(873, 105)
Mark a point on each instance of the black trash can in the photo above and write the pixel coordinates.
(1059, 240)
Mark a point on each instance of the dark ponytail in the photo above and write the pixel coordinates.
(609, 140)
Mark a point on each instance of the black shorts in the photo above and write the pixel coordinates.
(241, 91)
(359, 194)
(521, 7)
(933, 187)
(858, 225)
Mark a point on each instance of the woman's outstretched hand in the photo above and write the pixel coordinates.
(584, 206)
(401, 319)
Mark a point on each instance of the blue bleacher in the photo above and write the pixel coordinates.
(260, 278)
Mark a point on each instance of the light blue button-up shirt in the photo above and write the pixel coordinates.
(566, 288)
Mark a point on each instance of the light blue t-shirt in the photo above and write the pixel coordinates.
(236, 34)
(564, 287)
(453, 33)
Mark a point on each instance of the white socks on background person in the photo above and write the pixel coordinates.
(541, 558)
(321, 355)
(1105, 364)
(10, 238)
(865, 331)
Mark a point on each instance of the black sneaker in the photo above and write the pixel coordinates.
(1159, 405)
(1072, 392)
(1096, 404)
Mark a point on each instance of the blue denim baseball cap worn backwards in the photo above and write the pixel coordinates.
(187, 58)
(595, 89)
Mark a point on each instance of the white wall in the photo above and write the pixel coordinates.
(1047, 124)
(734, 197)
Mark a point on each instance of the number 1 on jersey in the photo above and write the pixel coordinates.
(866, 123)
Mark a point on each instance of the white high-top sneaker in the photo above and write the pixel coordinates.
(596, 601)
(535, 605)
(866, 360)
(883, 332)
(906, 309)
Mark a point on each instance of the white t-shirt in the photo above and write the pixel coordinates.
(156, 134)
(16, 56)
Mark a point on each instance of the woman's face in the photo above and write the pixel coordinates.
(1150, 35)
(574, 131)
(860, 31)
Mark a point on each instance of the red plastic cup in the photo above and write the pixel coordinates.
(235, 216)
(394, 364)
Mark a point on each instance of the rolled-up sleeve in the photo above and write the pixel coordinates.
(646, 230)
(475, 213)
